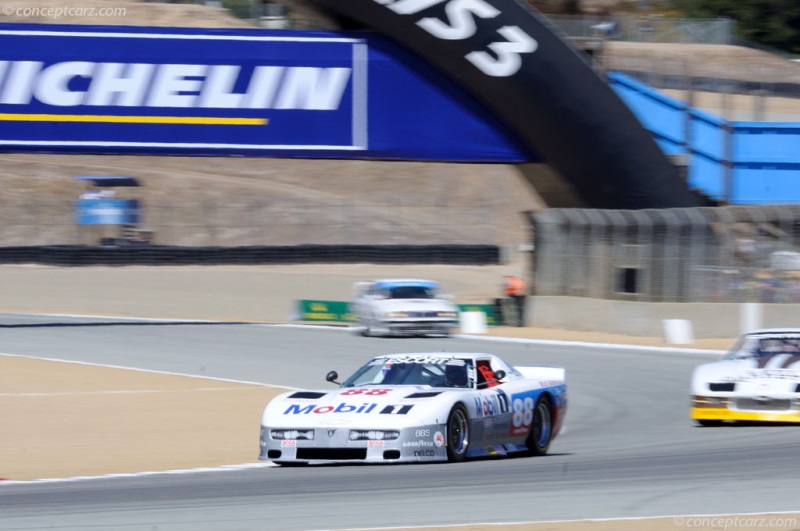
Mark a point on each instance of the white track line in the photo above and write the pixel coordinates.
(223, 468)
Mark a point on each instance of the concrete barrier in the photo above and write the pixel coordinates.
(709, 320)
(678, 331)
(473, 322)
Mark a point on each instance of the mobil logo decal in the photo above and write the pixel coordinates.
(313, 409)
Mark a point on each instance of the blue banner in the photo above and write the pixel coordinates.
(93, 89)
(107, 211)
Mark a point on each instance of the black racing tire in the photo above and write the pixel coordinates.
(457, 434)
(709, 423)
(541, 435)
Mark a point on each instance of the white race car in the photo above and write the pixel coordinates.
(403, 306)
(758, 379)
(418, 407)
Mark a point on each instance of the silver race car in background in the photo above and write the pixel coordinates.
(418, 407)
(403, 306)
(758, 379)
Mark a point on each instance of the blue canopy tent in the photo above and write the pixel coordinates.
(101, 209)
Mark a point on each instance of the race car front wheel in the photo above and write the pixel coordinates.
(457, 434)
(542, 428)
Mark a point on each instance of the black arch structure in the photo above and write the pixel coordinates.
(511, 59)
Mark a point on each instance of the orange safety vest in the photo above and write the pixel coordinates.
(514, 286)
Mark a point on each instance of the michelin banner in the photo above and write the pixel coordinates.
(93, 89)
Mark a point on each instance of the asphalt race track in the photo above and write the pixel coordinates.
(629, 449)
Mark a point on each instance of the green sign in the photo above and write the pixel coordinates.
(312, 310)
(337, 311)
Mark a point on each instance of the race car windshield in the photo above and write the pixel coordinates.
(412, 292)
(453, 373)
(753, 347)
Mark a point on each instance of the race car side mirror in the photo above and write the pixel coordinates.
(332, 376)
(499, 374)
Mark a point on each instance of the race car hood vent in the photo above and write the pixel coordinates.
(428, 394)
(308, 394)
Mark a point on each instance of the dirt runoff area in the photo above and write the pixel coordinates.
(67, 419)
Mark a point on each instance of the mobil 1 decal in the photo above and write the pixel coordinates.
(546, 92)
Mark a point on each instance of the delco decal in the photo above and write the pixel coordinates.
(297, 409)
(461, 23)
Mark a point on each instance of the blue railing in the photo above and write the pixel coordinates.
(744, 163)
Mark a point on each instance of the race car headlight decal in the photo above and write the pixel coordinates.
(374, 435)
(307, 435)
(446, 314)
(396, 314)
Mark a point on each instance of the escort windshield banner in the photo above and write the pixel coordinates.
(91, 89)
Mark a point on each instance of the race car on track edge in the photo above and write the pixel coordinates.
(418, 407)
(757, 380)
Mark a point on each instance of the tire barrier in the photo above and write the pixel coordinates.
(509, 57)
(80, 255)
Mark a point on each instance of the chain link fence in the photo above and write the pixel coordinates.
(238, 222)
(647, 28)
(722, 254)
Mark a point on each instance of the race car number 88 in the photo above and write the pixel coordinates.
(366, 392)
(523, 412)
